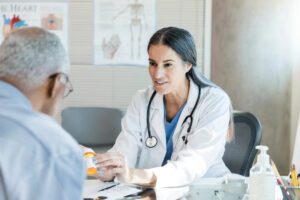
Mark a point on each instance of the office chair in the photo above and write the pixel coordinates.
(240, 153)
(92, 126)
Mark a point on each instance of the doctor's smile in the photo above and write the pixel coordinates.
(160, 83)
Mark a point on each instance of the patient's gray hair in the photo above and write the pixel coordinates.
(31, 55)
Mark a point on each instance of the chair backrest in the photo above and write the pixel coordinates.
(240, 153)
(92, 126)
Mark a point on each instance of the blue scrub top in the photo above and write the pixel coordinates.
(170, 128)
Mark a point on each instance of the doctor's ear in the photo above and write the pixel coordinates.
(188, 66)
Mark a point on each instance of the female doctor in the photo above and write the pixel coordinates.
(174, 131)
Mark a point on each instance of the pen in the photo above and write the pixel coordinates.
(97, 198)
(280, 182)
(139, 195)
(295, 182)
(108, 187)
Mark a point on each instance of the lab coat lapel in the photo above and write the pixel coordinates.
(192, 98)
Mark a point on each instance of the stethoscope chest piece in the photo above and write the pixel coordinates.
(151, 142)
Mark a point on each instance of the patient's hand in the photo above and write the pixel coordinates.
(113, 164)
(110, 165)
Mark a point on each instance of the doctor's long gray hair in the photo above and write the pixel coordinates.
(182, 42)
(31, 55)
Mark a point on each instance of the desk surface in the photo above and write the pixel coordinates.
(206, 189)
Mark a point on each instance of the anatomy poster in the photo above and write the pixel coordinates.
(51, 16)
(122, 29)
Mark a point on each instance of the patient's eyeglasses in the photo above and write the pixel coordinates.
(66, 81)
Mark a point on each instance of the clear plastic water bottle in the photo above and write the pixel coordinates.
(262, 179)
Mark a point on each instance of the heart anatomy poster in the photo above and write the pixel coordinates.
(51, 16)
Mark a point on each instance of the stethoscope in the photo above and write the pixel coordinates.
(151, 141)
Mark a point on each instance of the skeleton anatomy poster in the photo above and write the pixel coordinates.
(51, 16)
(122, 29)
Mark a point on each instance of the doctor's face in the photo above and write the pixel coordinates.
(167, 70)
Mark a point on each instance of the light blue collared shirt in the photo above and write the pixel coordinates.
(38, 159)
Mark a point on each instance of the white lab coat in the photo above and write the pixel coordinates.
(201, 156)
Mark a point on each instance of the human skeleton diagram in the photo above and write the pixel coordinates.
(136, 26)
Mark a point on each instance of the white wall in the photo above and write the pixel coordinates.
(114, 86)
(295, 98)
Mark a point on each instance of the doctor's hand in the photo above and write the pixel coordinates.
(110, 165)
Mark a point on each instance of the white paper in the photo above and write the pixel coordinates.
(118, 192)
(92, 187)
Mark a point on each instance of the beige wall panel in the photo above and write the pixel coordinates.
(251, 61)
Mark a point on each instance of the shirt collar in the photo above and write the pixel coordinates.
(8, 91)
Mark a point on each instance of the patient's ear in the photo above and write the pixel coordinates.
(54, 86)
(53, 93)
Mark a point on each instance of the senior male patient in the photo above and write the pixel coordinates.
(38, 159)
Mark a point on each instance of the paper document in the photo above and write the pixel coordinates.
(118, 192)
(96, 188)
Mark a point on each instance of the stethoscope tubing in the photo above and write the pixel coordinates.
(151, 141)
(150, 137)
